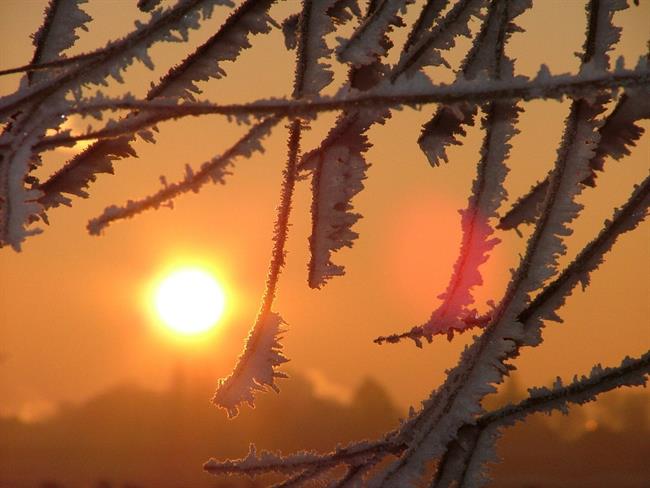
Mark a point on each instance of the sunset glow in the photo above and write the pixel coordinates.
(189, 301)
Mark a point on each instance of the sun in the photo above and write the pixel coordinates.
(189, 301)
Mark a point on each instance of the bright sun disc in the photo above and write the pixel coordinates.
(189, 301)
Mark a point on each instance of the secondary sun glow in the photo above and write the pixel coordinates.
(189, 301)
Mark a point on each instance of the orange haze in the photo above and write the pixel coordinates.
(72, 318)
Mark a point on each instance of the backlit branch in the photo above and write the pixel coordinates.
(465, 462)
(544, 86)
(450, 121)
(56, 35)
(255, 464)
(552, 297)
(118, 55)
(482, 364)
(214, 170)
(619, 132)
(179, 83)
(450, 429)
(366, 43)
(40, 107)
(256, 367)
(455, 313)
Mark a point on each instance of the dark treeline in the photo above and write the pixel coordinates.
(130, 437)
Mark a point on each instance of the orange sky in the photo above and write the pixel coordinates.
(72, 314)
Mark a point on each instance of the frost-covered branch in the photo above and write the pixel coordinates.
(552, 297)
(44, 66)
(179, 83)
(426, 20)
(214, 170)
(369, 41)
(464, 465)
(577, 148)
(617, 135)
(427, 50)
(455, 313)
(451, 426)
(449, 121)
(418, 332)
(339, 165)
(601, 37)
(256, 367)
(18, 205)
(41, 105)
(118, 55)
(544, 86)
(544, 306)
(631, 372)
(56, 35)
(482, 365)
(255, 464)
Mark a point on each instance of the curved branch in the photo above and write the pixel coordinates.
(466, 458)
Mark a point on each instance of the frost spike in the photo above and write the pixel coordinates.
(343, 11)
(148, 5)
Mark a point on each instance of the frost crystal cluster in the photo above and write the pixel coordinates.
(607, 99)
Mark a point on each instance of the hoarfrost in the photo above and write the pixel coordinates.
(255, 369)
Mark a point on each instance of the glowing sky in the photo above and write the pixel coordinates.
(72, 319)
